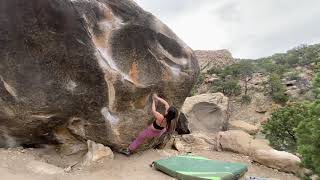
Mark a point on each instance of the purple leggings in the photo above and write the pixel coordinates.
(149, 132)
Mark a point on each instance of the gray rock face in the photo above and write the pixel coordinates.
(207, 112)
(90, 66)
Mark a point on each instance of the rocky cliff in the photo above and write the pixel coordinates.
(214, 59)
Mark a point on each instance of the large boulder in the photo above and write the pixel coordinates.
(280, 160)
(241, 142)
(90, 66)
(244, 126)
(207, 112)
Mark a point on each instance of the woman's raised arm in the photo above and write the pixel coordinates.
(156, 114)
(164, 102)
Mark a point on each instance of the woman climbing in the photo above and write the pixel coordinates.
(160, 125)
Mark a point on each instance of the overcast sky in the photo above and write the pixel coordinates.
(248, 28)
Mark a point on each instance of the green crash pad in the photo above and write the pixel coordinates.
(196, 167)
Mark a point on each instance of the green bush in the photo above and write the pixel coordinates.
(281, 126)
(227, 87)
(246, 99)
(293, 76)
(292, 60)
(240, 69)
(316, 84)
(279, 97)
(200, 79)
(269, 66)
(214, 70)
(276, 89)
(302, 55)
(308, 134)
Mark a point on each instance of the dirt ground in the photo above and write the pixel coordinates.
(15, 165)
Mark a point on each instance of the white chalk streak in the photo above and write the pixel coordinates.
(108, 116)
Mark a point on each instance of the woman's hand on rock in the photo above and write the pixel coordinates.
(155, 96)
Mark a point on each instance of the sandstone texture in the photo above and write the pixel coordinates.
(206, 112)
(88, 66)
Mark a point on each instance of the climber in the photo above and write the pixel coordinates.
(161, 124)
